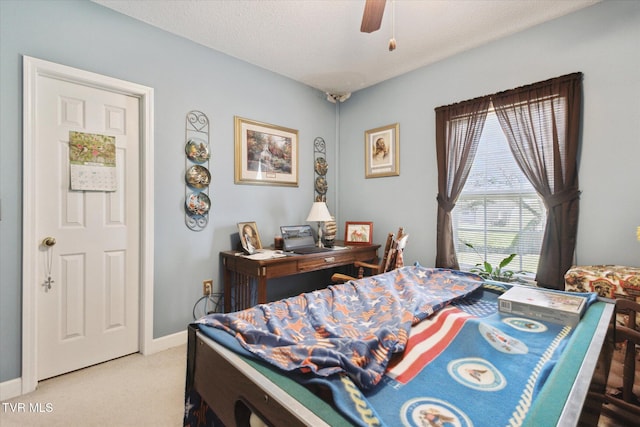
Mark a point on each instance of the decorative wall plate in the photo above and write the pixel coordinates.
(198, 176)
(198, 203)
(321, 166)
(321, 185)
(197, 150)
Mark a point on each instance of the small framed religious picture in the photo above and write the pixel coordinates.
(382, 151)
(249, 237)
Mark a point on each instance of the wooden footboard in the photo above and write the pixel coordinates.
(234, 389)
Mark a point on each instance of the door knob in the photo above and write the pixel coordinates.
(48, 242)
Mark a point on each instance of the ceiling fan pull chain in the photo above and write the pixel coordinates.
(392, 42)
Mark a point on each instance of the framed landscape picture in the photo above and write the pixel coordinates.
(358, 233)
(382, 151)
(265, 154)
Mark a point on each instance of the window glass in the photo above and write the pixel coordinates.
(498, 211)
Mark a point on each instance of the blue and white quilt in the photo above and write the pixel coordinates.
(416, 347)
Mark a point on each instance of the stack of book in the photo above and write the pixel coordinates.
(540, 304)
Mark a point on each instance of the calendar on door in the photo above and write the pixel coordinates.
(92, 160)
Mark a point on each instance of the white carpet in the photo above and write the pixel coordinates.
(134, 390)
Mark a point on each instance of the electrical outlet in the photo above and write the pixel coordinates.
(207, 287)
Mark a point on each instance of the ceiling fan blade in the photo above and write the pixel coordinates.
(372, 16)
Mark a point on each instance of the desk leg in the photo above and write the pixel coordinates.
(227, 289)
(240, 290)
(262, 290)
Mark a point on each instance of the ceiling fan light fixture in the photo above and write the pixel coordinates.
(337, 97)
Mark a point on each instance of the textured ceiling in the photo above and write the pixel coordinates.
(319, 43)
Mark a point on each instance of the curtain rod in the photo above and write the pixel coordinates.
(572, 76)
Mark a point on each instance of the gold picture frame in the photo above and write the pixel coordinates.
(382, 151)
(265, 154)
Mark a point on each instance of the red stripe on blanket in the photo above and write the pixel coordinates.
(427, 340)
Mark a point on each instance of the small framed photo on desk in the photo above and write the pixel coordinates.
(358, 233)
(249, 237)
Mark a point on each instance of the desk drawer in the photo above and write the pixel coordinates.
(330, 259)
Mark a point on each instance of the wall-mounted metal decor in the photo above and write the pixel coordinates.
(197, 175)
(320, 167)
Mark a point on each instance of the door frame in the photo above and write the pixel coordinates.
(32, 69)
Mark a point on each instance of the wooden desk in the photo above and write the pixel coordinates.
(242, 274)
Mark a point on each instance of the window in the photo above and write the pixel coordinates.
(542, 122)
(498, 212)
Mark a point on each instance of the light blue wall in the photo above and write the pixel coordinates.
(185, 76)
(602, 41)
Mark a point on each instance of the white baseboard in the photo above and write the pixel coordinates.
(166, 342)
(10, 389)
(13, 388)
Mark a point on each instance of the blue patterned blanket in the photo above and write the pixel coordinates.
(466, 365)
(353, 328)
(414, 347)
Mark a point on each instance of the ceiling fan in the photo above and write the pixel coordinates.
(372, 16)
(372, 19)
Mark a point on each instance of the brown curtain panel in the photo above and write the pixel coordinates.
(458, 130)
(542, 123)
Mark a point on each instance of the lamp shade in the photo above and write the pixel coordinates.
(319, 212)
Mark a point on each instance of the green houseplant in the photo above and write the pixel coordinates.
(498, 273)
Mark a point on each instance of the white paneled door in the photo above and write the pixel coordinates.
(88, 281)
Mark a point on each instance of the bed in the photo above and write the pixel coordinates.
(447, 357)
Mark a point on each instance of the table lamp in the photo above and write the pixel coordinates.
(319, 213)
